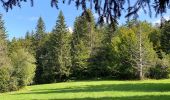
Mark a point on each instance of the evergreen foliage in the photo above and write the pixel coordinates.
(4, 59)
(165, 37)
(38, 42)
(57, 59)
(83, 43)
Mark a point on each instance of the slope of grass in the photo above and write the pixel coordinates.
(91, 90)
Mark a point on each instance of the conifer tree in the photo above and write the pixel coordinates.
(27, 35)
(165, 37)
(3, 44)
(40, 30)
(103, 58)
(83, 43)
(38, 41)
(59, 61)
(4, 60)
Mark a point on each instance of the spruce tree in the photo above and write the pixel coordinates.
(38, 41)
(27, 35)
(3, 44)
(4, 60)
(102, 60)
(40, 30)
(59, 61)
(27, 42)
(155, 38)
(165, 37)
(83, 43)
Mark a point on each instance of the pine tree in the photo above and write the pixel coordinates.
(83, 43)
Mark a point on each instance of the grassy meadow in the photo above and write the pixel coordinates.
(94, 90)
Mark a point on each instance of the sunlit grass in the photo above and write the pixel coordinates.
(100, 90)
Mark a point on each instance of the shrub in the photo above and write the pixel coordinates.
(161, 69)
(4, 79)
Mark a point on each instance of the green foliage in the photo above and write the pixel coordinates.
(4, 60)
(83, 43)
(22, 68)
(155, 36)
(40, 30)
(161, 69)
(57, 59)
(123, 46)
(133, 51)
(102, 59)
(165, 37)
(23, 64)
(5, 78)
(3, 45)
(39, 38)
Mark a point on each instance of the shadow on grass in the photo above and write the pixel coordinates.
(139, 87)
(147, 97)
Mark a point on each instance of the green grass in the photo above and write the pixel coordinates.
(90, 90)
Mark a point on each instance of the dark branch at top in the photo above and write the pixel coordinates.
(110, 10)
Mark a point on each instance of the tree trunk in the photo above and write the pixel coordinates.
(141, 72)
(140, 56)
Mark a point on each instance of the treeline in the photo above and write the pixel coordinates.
(136, 50)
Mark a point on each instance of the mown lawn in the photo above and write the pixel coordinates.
(100, 90)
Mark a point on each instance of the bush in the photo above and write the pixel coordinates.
(13, 84)
(161, 69)
(4, 79)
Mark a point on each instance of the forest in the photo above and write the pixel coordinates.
(136, 50)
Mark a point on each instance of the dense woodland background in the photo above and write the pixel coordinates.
(135, 50)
